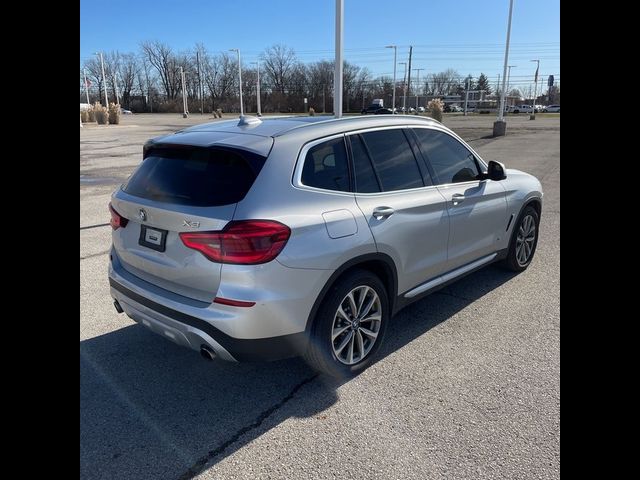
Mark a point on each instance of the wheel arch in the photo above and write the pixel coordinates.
(380, 264)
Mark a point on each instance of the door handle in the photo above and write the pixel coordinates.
(382, 212)
(457, 198)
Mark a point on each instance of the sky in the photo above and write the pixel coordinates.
(466, 35)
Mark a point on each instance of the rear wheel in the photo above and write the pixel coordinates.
(524, 240)
(349, 326)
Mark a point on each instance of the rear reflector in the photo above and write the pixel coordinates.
(117, 220)
(233, 303)
(242, 242)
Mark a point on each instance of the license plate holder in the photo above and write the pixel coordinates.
(153, 238)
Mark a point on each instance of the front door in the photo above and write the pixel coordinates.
(477, 208)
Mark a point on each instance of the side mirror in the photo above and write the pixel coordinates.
(496, 171)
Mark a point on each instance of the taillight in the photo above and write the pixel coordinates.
(244, 242)
(117, 220)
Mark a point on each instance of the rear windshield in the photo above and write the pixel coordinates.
(197, 176)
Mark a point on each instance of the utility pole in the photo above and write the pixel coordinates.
(104, 80)
(200, 84)
(418, 87)
(239, 79)
(257, 64)
(146, 74)
(395, 52)
(404, 88)
(409, 71)
(115, 86)
(337, 76)
(86, 86)
(466, 96)
(185, 114)
(535, 91)
(500, 126)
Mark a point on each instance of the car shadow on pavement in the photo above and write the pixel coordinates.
(152, 409)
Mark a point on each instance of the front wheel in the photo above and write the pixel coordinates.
(524, 240)
(349, 326)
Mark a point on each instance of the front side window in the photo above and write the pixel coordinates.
(326, 167)
(393, 159)
(451, 160)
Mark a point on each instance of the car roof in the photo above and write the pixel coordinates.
(257, 135)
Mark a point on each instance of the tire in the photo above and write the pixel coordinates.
(321, 352)
(516, 260)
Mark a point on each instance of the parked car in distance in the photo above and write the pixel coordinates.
(124, 111)
(421, 110)
(263, 239)
(376, 108)
(552, 108)
(522, 109)
(456, 108)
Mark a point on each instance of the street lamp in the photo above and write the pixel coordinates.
(239, 78)
(104, 80)
(257, 64)
(500, 126)
(185, 113)
(395, 52)
(404, 88)
(535, 90)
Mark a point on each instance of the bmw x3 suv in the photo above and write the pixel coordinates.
(265, 239)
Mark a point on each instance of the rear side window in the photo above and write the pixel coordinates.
(366, 181)
(393, 159)
(452, 161)
(326, 167)
(196, 176)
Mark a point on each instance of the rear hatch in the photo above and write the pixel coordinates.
(180, 188)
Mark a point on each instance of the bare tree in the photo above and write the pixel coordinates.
(164, 60)
(219, 75)
(442, 83)
(279, 62)
(94, 74)
(320, 80)
(129, 68)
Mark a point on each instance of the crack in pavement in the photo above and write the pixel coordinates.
(95, 226)
(95, 254)
(199, 465)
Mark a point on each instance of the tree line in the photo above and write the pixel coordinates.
(150, 81)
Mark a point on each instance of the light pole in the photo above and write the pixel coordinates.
(500, 126)
(404, 88)
(86, 86)
(418, 89)
(185, 114)
(104, 80)
(337, 73)
(257, 64)
(395, 52)
(535, 91)
(239, 78)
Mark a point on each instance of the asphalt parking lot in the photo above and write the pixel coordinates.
(468, 385)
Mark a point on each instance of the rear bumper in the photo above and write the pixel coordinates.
(272, 329)
(193, 332)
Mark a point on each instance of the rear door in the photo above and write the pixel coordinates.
(477, 208)
(180, 188)
(405, 212)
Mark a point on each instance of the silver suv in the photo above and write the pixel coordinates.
(263, 239)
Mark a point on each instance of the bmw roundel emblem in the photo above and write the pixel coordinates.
(142, 214)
